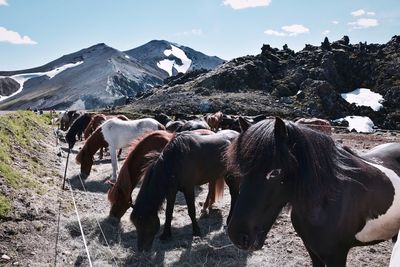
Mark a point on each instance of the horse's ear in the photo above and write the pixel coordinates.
(280, 129)
(244, 124)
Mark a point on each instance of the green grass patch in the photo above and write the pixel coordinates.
(5, 206)
(19, 133)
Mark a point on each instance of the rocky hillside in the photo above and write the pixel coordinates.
(98, 76)
(281, 81)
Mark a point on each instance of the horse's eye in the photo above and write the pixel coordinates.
(274, 173)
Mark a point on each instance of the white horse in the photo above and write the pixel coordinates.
(395, 258)
(114, 133)
(118, 134)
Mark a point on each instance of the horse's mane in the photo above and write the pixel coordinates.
(125, 182)
(95, 119)
(312, 157)
(153, 191)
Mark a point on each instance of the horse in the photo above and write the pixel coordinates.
(116, 134)
(95, 122)
(395, 258)
(317, 124)
(66, 118)
(173, 126)
(187, 160)
(214, 120)
(130, 174)
(193, 125)
(339, 199)
(77, 128)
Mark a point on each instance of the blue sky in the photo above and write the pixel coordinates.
(34, 32)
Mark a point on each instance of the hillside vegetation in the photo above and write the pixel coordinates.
(22, 135)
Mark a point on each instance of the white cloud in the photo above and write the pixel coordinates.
(240, 4)
(195, 32)
(364, 23)
(335, 22)
(14, 37)
(362, 12)
(3, 3)
(357, 13)
(276, 33)
(326, 32)
(290, 30)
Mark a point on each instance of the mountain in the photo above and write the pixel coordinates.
(308, 83)
(98, 76)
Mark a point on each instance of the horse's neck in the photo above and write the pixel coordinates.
(95, 142)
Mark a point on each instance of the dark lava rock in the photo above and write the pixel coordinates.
(8, 86)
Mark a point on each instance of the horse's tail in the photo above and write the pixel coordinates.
(219, 189)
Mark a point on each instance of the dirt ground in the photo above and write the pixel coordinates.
(53, 238)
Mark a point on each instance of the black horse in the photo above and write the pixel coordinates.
(186, 161)
(339, 199)
(77, 128)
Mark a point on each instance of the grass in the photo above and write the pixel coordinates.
(19, 135)
(5, 206)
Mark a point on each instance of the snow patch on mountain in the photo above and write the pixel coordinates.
(358, 123)
(168, 65)
(22, 78)
(364, 97)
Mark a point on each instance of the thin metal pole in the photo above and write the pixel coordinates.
(66, 167)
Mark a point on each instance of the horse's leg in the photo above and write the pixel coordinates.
(101, 153)
(168, 215)
(210, 197)
(189, 196)
(119, 153)
(233, 185)
(114, 162)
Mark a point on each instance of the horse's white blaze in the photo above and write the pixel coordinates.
(386, 225)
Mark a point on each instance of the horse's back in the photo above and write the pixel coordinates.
(119, 133)
(388, 154)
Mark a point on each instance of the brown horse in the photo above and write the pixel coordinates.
(317, 124)
(130, 174)
(214, 120)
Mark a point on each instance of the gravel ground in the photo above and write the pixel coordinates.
(53, 237)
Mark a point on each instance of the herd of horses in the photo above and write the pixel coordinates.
(339, 199)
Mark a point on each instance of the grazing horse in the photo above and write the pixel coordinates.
(174, 126)
(214, 120)
(130, 174)
(187, 160)
(339, 199)
(96, 121)
(77, 128)
(116, 134)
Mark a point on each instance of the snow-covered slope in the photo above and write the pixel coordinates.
(98, 76)
(170, 58)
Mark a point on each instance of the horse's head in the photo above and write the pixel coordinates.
(147, 227)
(262, 160)
(86, 162)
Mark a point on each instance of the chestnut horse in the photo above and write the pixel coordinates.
(187, 160)
(130, 174)
(214, 120)
(339, 199)
(116, 134)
